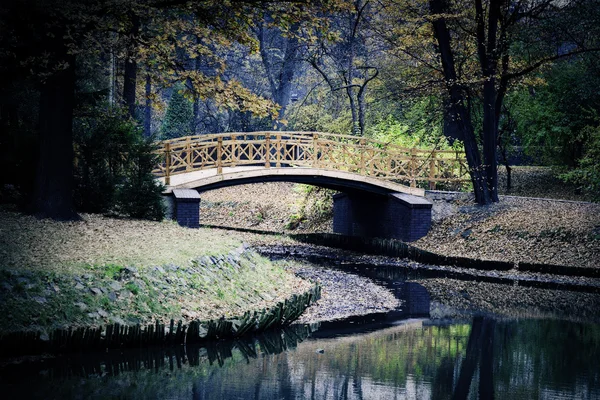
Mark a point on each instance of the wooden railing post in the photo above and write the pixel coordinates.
(315, 150)
(188, 154)
(234, 150)
(362, 167)
(268, 150)
(413, 167)
(220, 155)
(167, 163)
(278, 150)
(432, 170)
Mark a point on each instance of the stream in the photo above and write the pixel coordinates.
(397, 355)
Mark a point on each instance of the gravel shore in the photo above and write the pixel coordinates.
(344, 295)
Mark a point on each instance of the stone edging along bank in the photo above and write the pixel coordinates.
(122, 336)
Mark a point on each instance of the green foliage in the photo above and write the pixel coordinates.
(419, 125)
(178, 118)
(551, 120)
(140, 196)
(133, 288)
(587, 174)
(315, 206)
(317, 118)
(99, 144)
(114, 168)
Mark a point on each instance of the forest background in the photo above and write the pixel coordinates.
(87, 86)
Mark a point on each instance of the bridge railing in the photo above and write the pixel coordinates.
(310, 149)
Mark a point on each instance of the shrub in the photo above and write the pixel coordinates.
(587, 174)
(140, 196)
(114, 167)
(99, 144)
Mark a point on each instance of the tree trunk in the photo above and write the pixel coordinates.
(290, 64)
(53, 189)
(459, 121)
(130, 76)
(196, 103)
(486, 362)
(148, 107)
(488, 58)
(280, 79)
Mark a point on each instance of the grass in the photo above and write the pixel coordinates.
(101, 270)
(97, 241)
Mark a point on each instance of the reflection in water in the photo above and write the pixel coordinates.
(420, 359)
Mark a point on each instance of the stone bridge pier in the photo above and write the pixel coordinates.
(395, 215)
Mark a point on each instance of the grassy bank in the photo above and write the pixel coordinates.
(103, 270)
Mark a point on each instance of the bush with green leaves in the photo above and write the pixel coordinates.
(140, 196)
(114, 168)
(551, 118)
(587, 174)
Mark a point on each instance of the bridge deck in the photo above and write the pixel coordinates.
(210, 179)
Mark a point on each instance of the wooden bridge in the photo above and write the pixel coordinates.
(355, 165)
(327, 155)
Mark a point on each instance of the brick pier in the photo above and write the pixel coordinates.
(397, 215)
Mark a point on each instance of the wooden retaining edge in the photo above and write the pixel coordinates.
(397, 248)
(124, 336)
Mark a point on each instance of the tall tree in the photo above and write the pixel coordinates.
(345, 63)
(131, 67)
(280, 55)
(473, 50)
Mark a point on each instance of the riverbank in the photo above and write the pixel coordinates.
(516, 229)
(101, 271)
(461, 292)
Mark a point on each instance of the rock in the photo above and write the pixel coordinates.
(159, 269)
(115, 285)
(79, 286)
(41, 300)
(131, 270)
(96, 291)
(93, 315)
(102, 313)
(82, 306)
(112, 296)
(118, 320)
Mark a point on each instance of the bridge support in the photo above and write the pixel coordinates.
(396, 216)
(187, 207)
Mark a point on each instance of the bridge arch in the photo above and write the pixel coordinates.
(342, 181)
(371, 173)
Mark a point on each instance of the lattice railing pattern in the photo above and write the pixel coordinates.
(311, 149)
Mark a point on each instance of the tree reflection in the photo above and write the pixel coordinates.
(484, 358)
